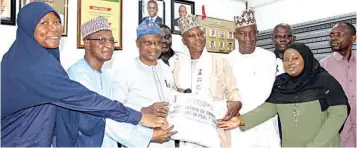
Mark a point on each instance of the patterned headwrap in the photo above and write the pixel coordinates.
(147, 27)
(94, 25)
(247, 18)
(188, 22)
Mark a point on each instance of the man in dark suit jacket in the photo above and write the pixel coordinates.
(152, 8)
(157, 19)
(182, 12)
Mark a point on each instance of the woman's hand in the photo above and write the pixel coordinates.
(234, 122)
(233, 108)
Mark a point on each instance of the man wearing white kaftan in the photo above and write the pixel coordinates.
(138, 84)
(146, 83)
(254, 69)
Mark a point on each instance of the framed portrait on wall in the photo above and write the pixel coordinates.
(152, 9)
(8, 12)
(212, 32)
(204, 30)
(222, 34)
(111, 9)
(212, 44)
(230, 35)
(180, 8)
(221, 45)
(61, 6)
(219, 35)
(230, 45)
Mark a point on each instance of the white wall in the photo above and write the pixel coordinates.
(298, 11)
(223, 9)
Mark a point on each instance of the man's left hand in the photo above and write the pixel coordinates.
(233, 109)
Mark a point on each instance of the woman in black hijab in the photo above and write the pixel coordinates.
(311, 104)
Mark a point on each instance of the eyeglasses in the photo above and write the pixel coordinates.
(104, 41)
(150, 43)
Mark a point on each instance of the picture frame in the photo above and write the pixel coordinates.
(189, 6)
(112, 10)
(8, 12)
(157, 12)
(219, 35)
(61, 6)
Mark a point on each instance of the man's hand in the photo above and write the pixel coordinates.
(233, 109)
(230, 124)
(152, 121)
(159, 109)
(162, 135)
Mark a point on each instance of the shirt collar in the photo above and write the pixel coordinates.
(276, 52)
(171, 54)
(246, 55)
(204, 53)
(153, 18)
(338, 57)
(96, 71)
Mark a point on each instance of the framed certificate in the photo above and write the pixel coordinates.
(7, 12)
(111, 9)
(61, 6)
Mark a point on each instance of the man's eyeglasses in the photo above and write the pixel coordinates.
(150, 43)
(104, 41)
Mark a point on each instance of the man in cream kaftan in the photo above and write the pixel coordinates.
(205, 74)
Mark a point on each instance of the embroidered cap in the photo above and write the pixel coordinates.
(247, 18)
(188, 22)
(147, 27)
(94, 25)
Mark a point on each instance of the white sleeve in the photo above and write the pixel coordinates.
(126, 134)
(121, 88)
(263, 83)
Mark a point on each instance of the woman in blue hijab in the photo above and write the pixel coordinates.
(35, 87)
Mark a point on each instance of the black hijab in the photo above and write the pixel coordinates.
(313, 83)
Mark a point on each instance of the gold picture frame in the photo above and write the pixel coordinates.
(219, 35)
(61, 6)
(111, 9)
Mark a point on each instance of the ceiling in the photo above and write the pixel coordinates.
(257, 3)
